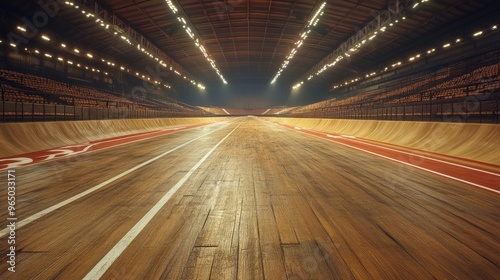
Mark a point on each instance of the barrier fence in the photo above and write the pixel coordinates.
(34, 112)
(468, 110)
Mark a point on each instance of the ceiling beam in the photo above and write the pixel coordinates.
(394, 11)
(134, 36)
(194, 35)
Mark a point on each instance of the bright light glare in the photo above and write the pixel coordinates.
(302, 37)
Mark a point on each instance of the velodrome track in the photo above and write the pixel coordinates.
(247, 198)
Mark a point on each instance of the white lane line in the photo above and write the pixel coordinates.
(118, 138)
(86, 150)
(429, 158)
(409, 164)
(135, 135)
(412, 154)
(332, 136)
(132, 136)
(42, 213)
(425, 169)
(348, 136)
(103, 265)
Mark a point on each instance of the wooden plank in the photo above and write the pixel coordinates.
(249, 254)
(272, 257)
(284, 219)
(199, 265)
(216, 229)
(303, 263)
(225, 264)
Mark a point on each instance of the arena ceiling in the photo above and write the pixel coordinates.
(249, 40)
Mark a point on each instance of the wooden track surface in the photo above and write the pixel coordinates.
(19, 138)
(267, 202)
(473, 141)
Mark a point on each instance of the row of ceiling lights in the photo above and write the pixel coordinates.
(311, 23)
(122, 36)
(358, 46)
(186, 25)
(77, 51)
(415, 57)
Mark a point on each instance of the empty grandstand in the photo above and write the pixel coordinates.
(471, 92)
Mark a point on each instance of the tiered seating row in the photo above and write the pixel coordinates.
(482, 80)
(79, 96)
(12, 94)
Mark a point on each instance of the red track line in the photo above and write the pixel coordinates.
(471, 175)
(61, 152)
(416, 153)
(417, 150)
